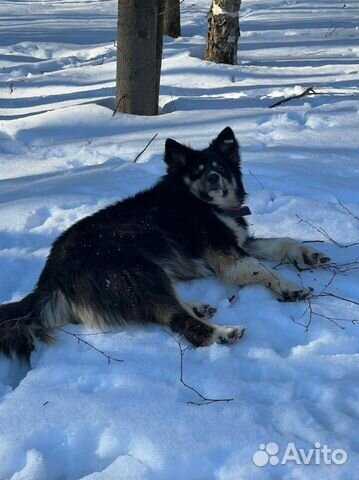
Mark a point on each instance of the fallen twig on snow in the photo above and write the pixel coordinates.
(329, 294)
(310, 91)
(323, 293)
(342, 268)
(338, 268)
(146, 147)
(322, 231)
(232, 298)
(257, 179)
(312, 313)
(335, 269)
(307, 91)
(344, 207)
(15, 319)
(81, 340)
(313, 241)
(288, 261)
(93, 333)
(203, 400)
(118, 104)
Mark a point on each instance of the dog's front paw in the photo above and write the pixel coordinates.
(301, 254)
(295, 294)
(227, 335)
(314, 258)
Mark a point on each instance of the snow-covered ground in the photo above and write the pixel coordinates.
(62, 156)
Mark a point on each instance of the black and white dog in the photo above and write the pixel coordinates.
(119, 265)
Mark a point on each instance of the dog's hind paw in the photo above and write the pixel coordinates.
(203, 311)
(227, 335)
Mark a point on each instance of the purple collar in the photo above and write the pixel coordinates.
(236, 212)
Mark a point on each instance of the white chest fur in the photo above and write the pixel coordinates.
(239, 231)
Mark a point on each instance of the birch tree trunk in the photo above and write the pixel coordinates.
(139, 52)
(172, 18)
(223, 31)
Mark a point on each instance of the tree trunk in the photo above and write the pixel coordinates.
(172, 18)
(139, 52)
(159, 45)
(223, 31)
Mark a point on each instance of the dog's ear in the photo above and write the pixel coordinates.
(176, 155)
(227, 144)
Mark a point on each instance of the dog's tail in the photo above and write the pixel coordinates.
(20, 326)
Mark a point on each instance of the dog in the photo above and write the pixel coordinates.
(119, 265)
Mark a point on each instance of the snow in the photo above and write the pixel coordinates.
(62, 156)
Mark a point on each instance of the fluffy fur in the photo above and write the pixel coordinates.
(119, 265)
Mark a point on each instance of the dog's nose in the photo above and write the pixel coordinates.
(213, 178)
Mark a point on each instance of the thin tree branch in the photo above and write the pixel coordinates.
(344, 207)
(15, 319)
(313, 313)
(310, 91)
(323, 232)
(232, 298)
(203, 400)
(307, 91)
(81, 340)
(118, 104)
(257, 179)
(329, 294)
(94, 333)
(342, 268)
(146, 147)
(313, 241)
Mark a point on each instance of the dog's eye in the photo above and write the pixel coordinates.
(220, 169)
(196, 175)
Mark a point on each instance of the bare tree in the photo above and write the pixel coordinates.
(139, 54)
(172, 18)
(223, 31)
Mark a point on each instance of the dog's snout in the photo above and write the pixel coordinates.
(213, 178)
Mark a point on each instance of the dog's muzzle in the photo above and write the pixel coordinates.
(215, 185)
(213, 180)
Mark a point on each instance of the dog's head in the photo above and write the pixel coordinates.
(213, 174)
